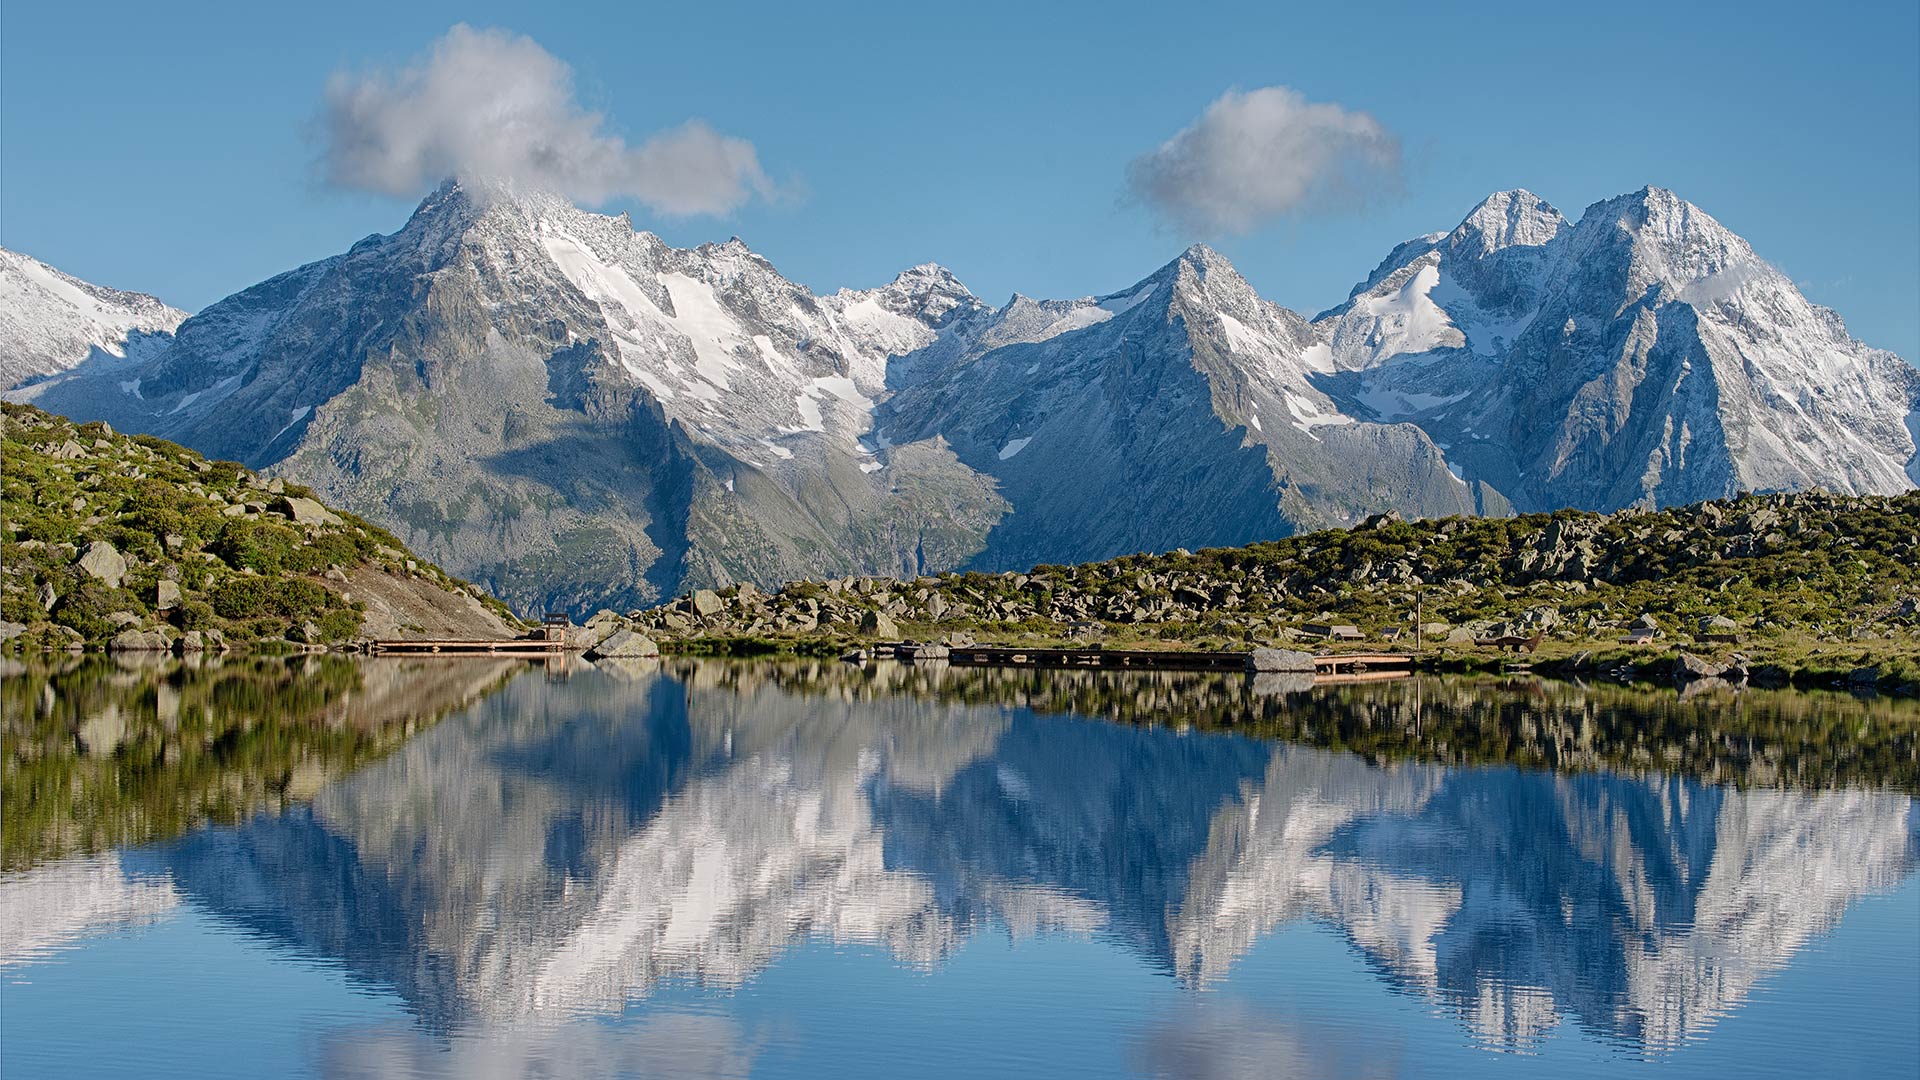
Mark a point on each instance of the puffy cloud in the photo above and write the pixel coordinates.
(490, 106)
(1264, 154)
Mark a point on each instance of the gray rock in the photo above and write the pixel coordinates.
(138, 641)
(104, 562)
(11, 630)
(1689, 666)
(706, 602)
(166, 594)
(303, 510)
(1270, 660)
(878, 625)
(625, 644)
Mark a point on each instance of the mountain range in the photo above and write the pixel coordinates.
(575, 414)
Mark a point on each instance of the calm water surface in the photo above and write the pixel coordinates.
(463, 868)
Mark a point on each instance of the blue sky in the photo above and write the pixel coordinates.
(173, 149)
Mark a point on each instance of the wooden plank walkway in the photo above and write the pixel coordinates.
(458, 647)
(1358, 663)
(1165, 660)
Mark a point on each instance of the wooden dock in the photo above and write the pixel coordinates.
(1372, 664)
(1343, 664)
(531, 647)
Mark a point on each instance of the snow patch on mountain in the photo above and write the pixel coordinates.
(50, 321)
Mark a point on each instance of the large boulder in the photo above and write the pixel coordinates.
(304, 511)
(706, 602)
(166, 594)
(1689, 667)
(104, 562)
(624, 644)
(876, 624)
(1271, 660)
(138, 641)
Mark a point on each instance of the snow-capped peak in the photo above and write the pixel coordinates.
(51, 321)
(1506, 219)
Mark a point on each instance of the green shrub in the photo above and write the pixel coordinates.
(339, 625)
(20, 607)
(85, 604)
(195, 615)
(243, 598)
(262, 546)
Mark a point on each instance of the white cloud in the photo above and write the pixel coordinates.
(1264, 154)
(487, 105)
(1712, 289)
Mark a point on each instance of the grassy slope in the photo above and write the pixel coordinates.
(251, 575)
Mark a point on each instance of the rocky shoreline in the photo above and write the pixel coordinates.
(1805, 588)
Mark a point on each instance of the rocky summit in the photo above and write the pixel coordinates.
(576, 415)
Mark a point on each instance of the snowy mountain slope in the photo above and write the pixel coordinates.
(1642, 356)
(50, 321)
(1181, 411)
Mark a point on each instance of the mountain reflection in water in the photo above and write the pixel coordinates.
(568, 843)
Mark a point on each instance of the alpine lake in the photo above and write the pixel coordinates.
(324, 866)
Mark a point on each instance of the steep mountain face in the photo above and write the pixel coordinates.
(1642, 356)
(576, 414)
(50, 321)
(1180, 412)
(571, 412)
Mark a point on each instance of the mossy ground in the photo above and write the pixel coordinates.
(208, 527)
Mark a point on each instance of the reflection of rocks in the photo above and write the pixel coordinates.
(567, 844)
(106, 751)
(58, 904)
(1752, 738)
